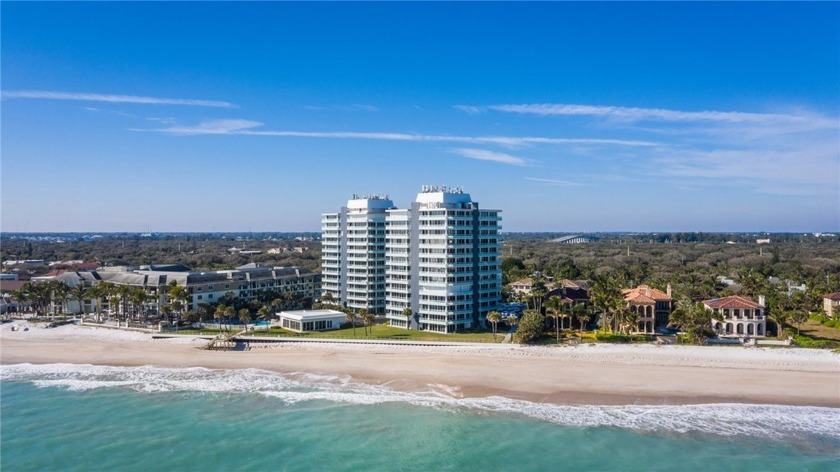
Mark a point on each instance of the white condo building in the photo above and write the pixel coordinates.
(353, 253)
(440, 258)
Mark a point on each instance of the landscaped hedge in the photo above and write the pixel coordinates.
(825, 321)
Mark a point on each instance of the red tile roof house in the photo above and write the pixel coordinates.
(652, 306)
(831, 305)
(525, 285)
(738, 316)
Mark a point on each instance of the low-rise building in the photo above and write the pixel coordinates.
(247, 283)
(738, 316)
(311, 320)
(8, 304)
(831, 304)
(526, 285)
(571, 291)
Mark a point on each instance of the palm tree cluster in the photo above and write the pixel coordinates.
(605, 294)
(693, 319)
(126, 303)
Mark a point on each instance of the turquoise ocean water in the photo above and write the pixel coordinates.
(81, 417)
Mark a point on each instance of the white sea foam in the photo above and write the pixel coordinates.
(770, 421)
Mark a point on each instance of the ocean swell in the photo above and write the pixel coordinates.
(767, 421)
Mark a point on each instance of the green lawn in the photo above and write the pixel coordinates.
(815, 330)
(378, 332)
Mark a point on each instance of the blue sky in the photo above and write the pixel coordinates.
(566, 116)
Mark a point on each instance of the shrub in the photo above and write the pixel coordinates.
(613, 338)
(804, 341)
(530, 327)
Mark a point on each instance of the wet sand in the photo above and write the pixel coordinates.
(585, 374)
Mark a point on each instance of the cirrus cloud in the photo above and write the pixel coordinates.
(98, 97)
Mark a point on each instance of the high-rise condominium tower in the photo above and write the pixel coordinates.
(440, 259)
(353, 253)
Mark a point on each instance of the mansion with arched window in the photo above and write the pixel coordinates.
(737, 316)
(652, 307)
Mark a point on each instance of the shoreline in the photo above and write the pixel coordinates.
(579, 375)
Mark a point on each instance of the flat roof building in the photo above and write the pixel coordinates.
(311, 320)
(353, 253)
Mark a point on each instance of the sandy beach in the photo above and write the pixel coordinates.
(586, 374)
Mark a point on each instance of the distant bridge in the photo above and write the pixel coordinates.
(574, 239)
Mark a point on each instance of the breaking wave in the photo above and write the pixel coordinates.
(768, 421)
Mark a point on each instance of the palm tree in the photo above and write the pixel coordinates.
(369, 320)
(123, 292)
(229, 312)
(60, 293)
(219, 314)
(203, 311)
(265, 314)
(582, 313)
(277, 304)
(179, 297)
(538, 291)
(512, 321)
(553, 307)
(245, 317)
(113, 307)
(606, 296)
(21, 297)
(137, 296)
(494, 317)
(80, 292)
(350, 315)
(95, 292)
(105, 290)
(408, 314)
(363, 315)
(628, 318)
(798, 317)
(693, 319)
(779, 317)
(166, 309)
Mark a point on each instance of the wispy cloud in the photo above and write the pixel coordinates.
(158, 119)
(784, 153)
(248, 127)
(354, 107)
(469, 109)
(567, 183)
(97, 97)
(812, 120)
(485, 155)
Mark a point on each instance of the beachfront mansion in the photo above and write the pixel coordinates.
(440, 258)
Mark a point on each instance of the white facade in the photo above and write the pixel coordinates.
(738, 316)
(440, 258)
(353, 254)
(400, 267)
(443, 262)
(311, 320)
